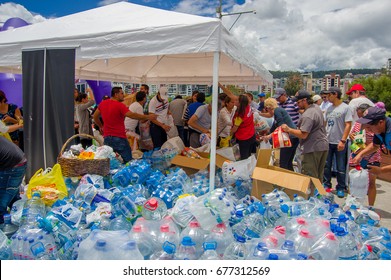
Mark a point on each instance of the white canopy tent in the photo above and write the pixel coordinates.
(131, 43)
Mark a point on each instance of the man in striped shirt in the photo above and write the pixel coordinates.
(285, 102)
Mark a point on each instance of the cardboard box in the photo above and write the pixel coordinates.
(267, 177)
(193, 165)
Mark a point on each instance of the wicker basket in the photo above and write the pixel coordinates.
(73, 167)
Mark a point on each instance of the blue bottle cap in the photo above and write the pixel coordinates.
(273, 257)
(302, 256)
(239, 238)
(284, 208)
(261, 246)
(209, 245)
(186, 241)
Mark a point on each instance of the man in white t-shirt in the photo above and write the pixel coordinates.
(135, 107)
(358, 94)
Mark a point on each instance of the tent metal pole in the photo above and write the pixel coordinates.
(215, 92)
(44, 109)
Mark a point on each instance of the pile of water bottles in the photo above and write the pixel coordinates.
(142, 213)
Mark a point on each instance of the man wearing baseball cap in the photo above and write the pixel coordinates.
(358, 96)
(375, 120)
(285, 102)
(312, 134)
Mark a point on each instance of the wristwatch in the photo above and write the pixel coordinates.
(343, 141)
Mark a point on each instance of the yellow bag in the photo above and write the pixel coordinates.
(50, 183)
(225, 141)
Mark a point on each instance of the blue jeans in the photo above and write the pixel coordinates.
(181, 132)
(120, 146)
(10, 181)
(341, 160)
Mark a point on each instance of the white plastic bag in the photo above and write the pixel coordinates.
(233, 171)
(174, 143)
(173, 132)
(359, 182)
(231, 153)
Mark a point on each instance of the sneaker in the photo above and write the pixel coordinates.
(341, 194)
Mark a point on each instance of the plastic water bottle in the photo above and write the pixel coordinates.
(181, 213)
(286, 252)
(197, 235)
(325, 248)
(5, 247)
(8, 227)
(167, 252)
(129, 251)
(222, 235)
(123, 205)
(34, 208)
(366, 253)
(154, 209)
(186, 250)
(237, 250)
(294, 224)
(297, 208)
(210, 251)
(273, 215)
(302, 239)
(385, 255)
(259, 252)
(120, 223)
(145, 243)
(348, 249)
(166, 234)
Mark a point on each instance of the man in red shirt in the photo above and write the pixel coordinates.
(113, 114)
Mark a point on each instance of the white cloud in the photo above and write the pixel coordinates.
(307, 34)
(9, 10)
(310, 35)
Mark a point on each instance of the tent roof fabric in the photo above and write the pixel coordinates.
(129, 42)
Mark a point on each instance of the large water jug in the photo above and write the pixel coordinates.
(154, 209)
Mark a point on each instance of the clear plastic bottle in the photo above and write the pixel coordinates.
(302, 239)
(166, 234)
(8, 227)
(34, 208)
(237, 250)
(325, 248)
(5, 247)
(222, 235)
(366, 253)
(348, 249)
(120, 223)
(129, 251)
(259, 252)
(210, 251)
(286, 252)
(186, 250)
(297, 208)
(144, 241)
(167, 252)
(197, 235)
(154, 209)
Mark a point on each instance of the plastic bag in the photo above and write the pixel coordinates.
(239, 170)
(359, 182)
(173, 132)
(280, 139)
(145, 142)
(174, 143)
(204, 139)
(231, 153)
(50, 183)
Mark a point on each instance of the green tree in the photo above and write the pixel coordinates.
(378, 89)
(293, 84)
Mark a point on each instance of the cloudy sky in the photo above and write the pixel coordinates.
(285, 34)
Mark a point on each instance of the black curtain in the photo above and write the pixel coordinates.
(48, 83)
